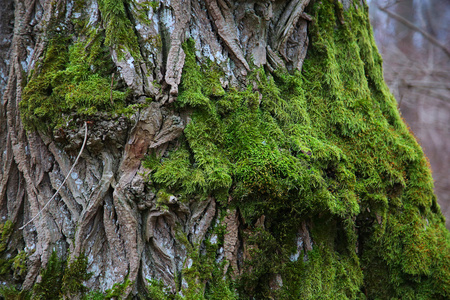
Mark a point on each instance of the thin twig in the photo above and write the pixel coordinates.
(65, 179)
(414, 27)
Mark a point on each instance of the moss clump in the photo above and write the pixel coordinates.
(6, 230)
(326, 146)
(119, 30)
(116, 292)
(77, 73)
(19, 265)
(71, 80)
(10, 292)
(154, 5)
(203, 268)
(157, 291)
(61, 278)
(74, 276)
(51, 279)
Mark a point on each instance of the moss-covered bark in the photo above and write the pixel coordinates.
(326, 146)
(283, 184)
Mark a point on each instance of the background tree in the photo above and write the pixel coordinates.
(234, 150)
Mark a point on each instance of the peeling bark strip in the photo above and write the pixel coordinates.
(231, 242)
(176, 56)
(223, 19)
(288, 21)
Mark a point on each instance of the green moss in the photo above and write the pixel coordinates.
(203, 278)
(120, 34)
(74, 276)
(327, 146)
(51, 279)
(61, 279)
(12, 293)
(154, 4)
(73, 79)
(75, 76)
(6, 229)
(158, 291)
(19, 265)
(116, 292)
(118, 289)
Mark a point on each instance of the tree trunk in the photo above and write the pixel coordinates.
(225, 157)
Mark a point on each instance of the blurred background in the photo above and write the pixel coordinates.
(413, 36)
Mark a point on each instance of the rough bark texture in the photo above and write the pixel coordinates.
(99, 210)
(107, 209)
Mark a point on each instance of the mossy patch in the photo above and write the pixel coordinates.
(119, 31)
(71, 80)
(77, 75)
(6, 230)
(51, 279)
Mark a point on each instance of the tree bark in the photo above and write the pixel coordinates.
(108, 209)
